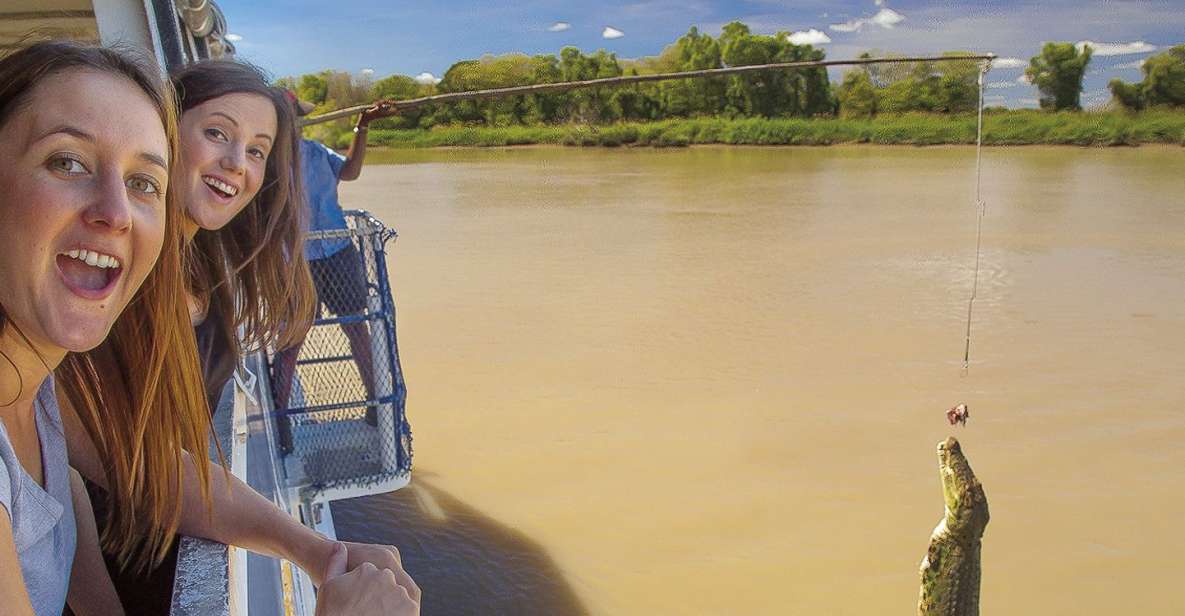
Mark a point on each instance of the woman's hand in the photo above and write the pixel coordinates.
(366, 590)
(382, 557)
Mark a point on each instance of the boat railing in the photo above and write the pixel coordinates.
(339, 396)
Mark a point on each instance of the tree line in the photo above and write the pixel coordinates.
(937, 87)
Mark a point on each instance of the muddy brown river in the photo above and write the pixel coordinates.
(711, 380)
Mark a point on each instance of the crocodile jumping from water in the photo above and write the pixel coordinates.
(950, 570)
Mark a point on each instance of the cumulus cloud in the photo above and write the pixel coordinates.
(611, 33)
(809, 37)
(998, 85)
(1029, 101)
(368, 71)
(1127, 65)
(426, 78)
(1009, 63)
(234, 38)
(879, 2)
(1116, 49)
(559, 26)
(885, 18)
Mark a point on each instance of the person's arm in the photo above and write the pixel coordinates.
(240, 516)
(13, 595)
(357, 152)
(91, 590)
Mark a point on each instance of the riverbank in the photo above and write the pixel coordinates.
(1023, 127)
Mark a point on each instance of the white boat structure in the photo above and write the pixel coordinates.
(319, 449)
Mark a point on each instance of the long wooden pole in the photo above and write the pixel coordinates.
(539, 88)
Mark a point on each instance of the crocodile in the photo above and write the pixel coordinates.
(950, 570)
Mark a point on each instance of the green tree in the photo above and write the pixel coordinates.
(795, 92)
(1057, 72)
(313, 88)
(857, 96)
(401, 87)
(1163, 83)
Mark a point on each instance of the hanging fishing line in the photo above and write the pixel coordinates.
(980, 207)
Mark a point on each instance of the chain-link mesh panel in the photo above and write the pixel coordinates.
(339, 396)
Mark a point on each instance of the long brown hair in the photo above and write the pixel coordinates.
(252, 272)
(146, 405)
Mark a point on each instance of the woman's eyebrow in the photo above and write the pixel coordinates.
(154, 159)
(265, 136)
(78, 133)
(66, 129)
(228, 118)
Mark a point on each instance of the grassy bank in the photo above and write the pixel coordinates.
(1000, 128)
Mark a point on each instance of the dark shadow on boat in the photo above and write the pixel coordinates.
(464, 561)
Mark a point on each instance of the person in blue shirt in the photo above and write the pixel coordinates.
(335, 264)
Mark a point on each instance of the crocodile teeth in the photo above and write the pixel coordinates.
(94, 259)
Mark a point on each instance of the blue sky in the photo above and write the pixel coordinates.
(291, 37)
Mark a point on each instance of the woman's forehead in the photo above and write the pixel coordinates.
(111, 109)
(245, 109)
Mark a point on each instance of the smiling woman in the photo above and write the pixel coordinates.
(244, 215)
(90, 271)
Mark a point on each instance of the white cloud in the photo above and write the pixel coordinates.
(1025, 80)
(809, 37)
(1009, 63)
(611, 33)
(1116, 49)
(559, 26)
(426, 78)
(234, 38)
(1127, 65)
(368, 71)
(879, 2)
(885, 18)
(998, 85)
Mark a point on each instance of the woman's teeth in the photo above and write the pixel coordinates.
(220, 186)
(94, 259)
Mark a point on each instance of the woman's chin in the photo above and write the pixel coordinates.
(80, 334)
(209, 218)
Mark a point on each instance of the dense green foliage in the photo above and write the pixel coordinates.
(900, 102)
(1163, 83)
(1021, 127)
(1057, 72)
(946, 87)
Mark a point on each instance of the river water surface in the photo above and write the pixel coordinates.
(711, 380)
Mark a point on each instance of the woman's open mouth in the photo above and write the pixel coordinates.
(222, 190)
(89, 274)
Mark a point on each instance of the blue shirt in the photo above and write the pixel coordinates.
(321, 167)
(42, 518)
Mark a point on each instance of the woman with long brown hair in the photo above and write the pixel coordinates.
(90, 271)
(240, 183)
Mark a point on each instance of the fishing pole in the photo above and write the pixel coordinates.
(451, 97)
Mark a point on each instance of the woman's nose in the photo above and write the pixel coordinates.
(235, 160)
(110, 207)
